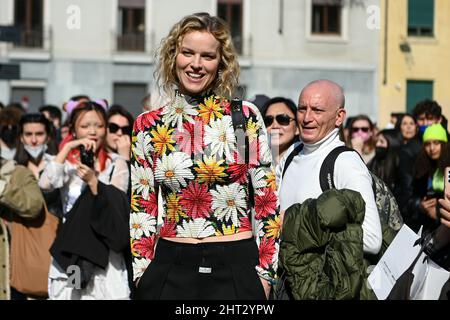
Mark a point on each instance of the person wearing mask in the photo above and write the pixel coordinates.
(93, 185)
(9, 119)
(279, 116)
(188, 152)
(385, 163)
(20, 197)
(32, 238)
(361, 137)
(426, 113)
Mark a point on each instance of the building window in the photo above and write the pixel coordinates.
(417, 91)
(30, 98)
(130, 95)
(231, 12)
(326, 17)
(131, 35)
(421, 18)
(28, 16)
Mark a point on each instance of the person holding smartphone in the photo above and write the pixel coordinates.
(428, 182)
(68, 172)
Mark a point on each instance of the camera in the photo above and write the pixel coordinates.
(86, 156)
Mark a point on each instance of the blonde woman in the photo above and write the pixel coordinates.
(187, 152)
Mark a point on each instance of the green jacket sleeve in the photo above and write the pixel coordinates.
(20, 192)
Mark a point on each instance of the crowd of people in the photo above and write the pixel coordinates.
(178, 204)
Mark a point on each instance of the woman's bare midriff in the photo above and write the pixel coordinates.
(233, 237)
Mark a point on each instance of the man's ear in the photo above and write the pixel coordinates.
(340, 117)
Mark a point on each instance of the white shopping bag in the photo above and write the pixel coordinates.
(398, 257)
(429, 278)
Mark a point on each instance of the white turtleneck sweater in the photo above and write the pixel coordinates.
(301, 182)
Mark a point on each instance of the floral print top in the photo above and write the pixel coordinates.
(187, 151)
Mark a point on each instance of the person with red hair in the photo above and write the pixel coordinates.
(75, 177)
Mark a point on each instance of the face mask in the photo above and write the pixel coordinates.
(35, 151)
(365, 136)
(8, 135)
(7, 153)
(422, 129)
(380, 152)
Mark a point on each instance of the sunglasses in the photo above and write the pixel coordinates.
(282, 119)
(363, 129)
(113, 128)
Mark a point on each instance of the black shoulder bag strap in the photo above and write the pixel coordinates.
(243, 146)
(327, 169)
(291, 156)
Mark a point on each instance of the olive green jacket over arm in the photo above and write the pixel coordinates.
(322, 247)
(19, 196)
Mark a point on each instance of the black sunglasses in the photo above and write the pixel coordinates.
(363, 129)
(282, 119)
(113, 128)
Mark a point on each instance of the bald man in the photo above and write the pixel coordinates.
(320, 113)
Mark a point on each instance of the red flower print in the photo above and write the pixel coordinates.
(151, 205)
(266, 252)
(225, 104)
(146, 120)
(245, 224)
(196, 200)
(190, 140)
(168, 230)
(145, 247)
(238, 173)
(266, 204)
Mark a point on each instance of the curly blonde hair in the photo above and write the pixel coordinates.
(227, 77)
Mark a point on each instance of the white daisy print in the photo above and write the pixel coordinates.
(141, 223)
(259, 181)
(198, 228)
(264, 146)
(173, 170)
(260, 232)
(142, 180)
(174, 113)
(228, 201)
(143, 146)
(220, 135)
(139, 266)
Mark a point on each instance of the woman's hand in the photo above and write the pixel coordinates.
(88, 175)
(123, 146)
(429, 207)
(69, 146)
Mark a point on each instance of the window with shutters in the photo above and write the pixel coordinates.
(417, 91)
(28, 16)
(131, 25)
(421, 18)
(231, 12)
(326, 17)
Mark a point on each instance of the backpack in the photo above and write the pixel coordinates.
(388, 211)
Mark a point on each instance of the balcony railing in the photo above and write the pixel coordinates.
(131, 42)
(30, 38)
